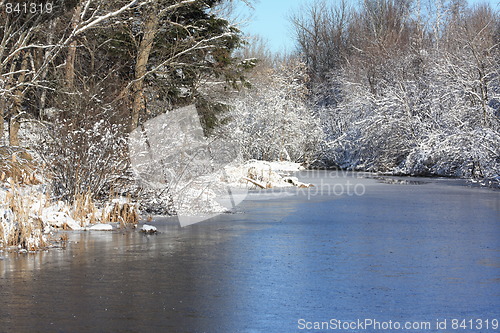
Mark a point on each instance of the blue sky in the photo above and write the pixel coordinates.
(270, 20)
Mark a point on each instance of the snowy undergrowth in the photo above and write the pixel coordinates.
(203, 195)
(264, 174)
(431, 125)
(473, 154)
(273, 120)
(29, 217)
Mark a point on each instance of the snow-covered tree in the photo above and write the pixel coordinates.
(272, 120)
(411, 97)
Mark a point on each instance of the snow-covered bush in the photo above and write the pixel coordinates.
(401, 91)
(272, 120)
(84, 157)
(471, 154)
(439, 122)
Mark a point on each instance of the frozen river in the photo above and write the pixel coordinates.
(353, 251)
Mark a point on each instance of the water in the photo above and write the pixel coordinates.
(412, 250)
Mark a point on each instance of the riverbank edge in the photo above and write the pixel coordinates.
(31, 221)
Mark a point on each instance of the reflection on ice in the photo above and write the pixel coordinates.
(425, 252)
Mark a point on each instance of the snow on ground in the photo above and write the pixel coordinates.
(29, 204)
(149, 229)
(28, 216)
(101, 227)
(219, 192)
(260, 174)
(52, 218)
(197, 197)
(209, 194)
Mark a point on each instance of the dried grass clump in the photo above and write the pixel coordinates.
(16, 164)
(261, 180)
(125, 214)
(23, 228)
(2, 233)
(84, 209)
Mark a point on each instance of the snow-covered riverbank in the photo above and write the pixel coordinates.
(30, 219)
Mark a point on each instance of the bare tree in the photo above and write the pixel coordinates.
(418, 90)
(22, 36)
(321, 32)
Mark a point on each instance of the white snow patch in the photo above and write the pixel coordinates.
(56, 218)
(121, 201)
(261, 174)
(149, 229)
(101, 227)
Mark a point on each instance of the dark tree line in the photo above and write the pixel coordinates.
(111, 51)
(91, 71)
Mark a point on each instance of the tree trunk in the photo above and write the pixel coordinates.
(2, 129)
(3, 109)
(43, 96)
(150, 27)
(14, 124)
(69, 75)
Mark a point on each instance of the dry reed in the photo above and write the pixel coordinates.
(84, 209)
(123, 213)
(27, 230)
(16, 164)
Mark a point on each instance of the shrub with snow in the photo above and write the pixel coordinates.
(84, 157)
(272, 120)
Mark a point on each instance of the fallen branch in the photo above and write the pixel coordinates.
(254, 182)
